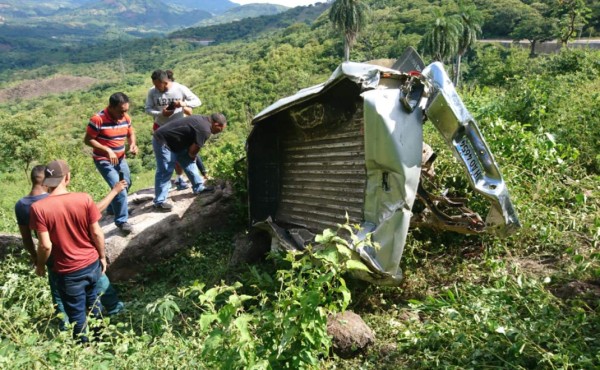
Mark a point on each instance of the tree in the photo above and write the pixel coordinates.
(471, 20)
(573, 16)
(534, 27)
(20, 142)
(348, 17)
(442, 40)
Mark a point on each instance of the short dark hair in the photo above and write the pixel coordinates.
(170, 75)
(218, 118)
(37, 174)
(160, 75)
(117, 99)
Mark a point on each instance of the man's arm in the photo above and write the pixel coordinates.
(150, 108)
(193, 150)
(189, 98)
(90, 141)
(28, 242)
(133, 149)
(98, 240)
(119, 187)
(43, 252)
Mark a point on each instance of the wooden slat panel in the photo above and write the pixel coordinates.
(324, 177)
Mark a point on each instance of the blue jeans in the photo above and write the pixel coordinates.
(78, 294)
(110, 174)
(108, 297)
(165, 164)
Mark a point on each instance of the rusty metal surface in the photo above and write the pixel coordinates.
(323, 177)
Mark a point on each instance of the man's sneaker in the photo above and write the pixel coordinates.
(207, 189)
(181, 184)
(116, 309)
(163, 206)
(125, 227)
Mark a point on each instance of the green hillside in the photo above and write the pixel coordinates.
(526, 302)
(241, 12)
(251, 27)
(126, 14)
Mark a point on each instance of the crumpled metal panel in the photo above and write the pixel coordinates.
(453, 120)
(393, 154)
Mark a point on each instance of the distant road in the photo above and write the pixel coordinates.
(548, 46)
(583, 41)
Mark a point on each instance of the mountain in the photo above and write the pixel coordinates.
(146, 14)
(212, 6)
(243, 11)
(14, 9)
(249, 27)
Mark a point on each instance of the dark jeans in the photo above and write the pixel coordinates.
(78, 293)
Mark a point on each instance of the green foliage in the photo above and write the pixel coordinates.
(536, 26)
(496, 324)
(276, 322)
(21, 142)
(572, 16)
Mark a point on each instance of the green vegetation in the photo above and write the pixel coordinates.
(529, 301)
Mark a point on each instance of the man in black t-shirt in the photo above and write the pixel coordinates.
(184, 137)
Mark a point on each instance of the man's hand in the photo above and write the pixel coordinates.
(40, 270)
(120, 186)
(133, 149)
(167, 113)
(114, 160)
(103, 264)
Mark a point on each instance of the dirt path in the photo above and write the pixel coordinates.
(55, 85)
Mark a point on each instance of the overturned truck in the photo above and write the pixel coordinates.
(352, 149)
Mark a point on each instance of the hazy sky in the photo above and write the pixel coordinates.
(290, 3)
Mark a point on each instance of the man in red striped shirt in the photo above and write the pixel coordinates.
(106, 133)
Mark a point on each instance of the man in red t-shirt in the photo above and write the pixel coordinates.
(67, 227)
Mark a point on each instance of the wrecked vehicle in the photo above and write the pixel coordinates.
(352, 148)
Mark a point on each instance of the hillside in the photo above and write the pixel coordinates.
(252, 27)
(212, 6)
(241, 12)
(127, 15)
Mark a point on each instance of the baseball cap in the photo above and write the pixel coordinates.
(54, 173)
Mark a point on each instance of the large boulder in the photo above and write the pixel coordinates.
(157, 234)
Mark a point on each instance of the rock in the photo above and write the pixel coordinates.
(250, 247)
(157, 234)
(351, 334)
(10, 244)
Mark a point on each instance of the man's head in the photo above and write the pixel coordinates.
(218, 123)
(55, 172)
(161, 80)
(37, 175)
(118, 105)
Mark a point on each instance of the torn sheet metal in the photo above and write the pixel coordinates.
(453, 120)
